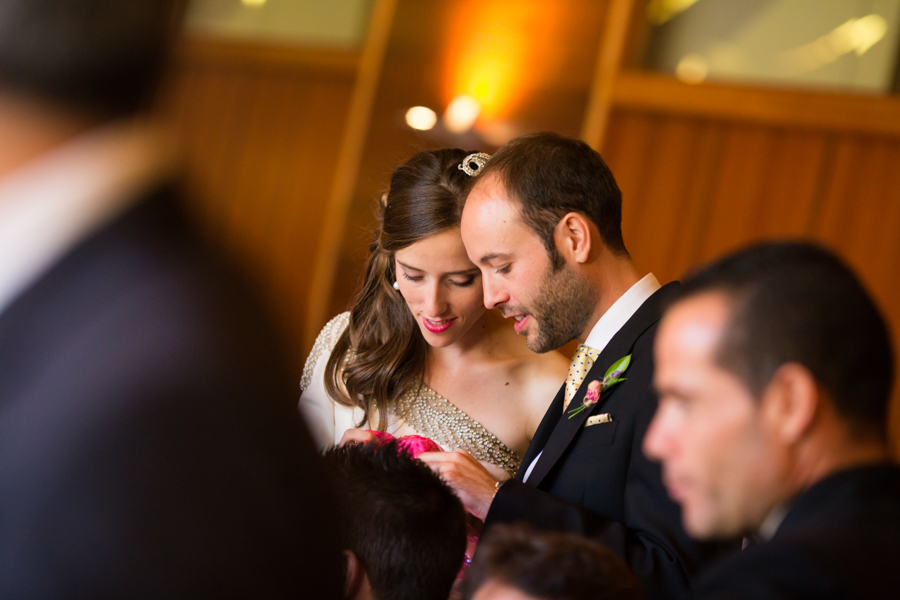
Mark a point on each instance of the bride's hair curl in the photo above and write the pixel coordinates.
(381, 355)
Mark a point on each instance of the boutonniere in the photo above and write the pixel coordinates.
(595, 388)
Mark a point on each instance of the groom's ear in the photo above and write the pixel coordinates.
(573, 237)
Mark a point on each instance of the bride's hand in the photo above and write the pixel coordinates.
(357, 436)
(474, 485)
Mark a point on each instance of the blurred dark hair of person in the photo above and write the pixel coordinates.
(514, 562)
(101, 58)
(405, 527)
(149, 445)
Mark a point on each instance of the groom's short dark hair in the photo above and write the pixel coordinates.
(100, 56)
(796, 302)
(405, 525)
(551, 175)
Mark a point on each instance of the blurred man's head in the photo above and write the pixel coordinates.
(406, 528)
(99, 57)
(516, 563)
(773, 369)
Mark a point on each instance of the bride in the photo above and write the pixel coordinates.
(418, 353)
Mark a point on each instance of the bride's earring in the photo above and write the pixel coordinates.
(396, 286)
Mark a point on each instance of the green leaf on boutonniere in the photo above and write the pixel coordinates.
(612, 377)
(618, 368)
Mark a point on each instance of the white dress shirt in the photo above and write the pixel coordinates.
(53, 202)
(611, 322)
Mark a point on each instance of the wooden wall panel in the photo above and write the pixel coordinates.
(860, 218)
(695, 188)
(261, 132)
(766, 182)
(665, 206)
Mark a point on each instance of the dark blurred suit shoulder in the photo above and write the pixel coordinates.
(839, 540)
(149, 441)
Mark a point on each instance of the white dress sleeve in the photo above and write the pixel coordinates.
(326, 419)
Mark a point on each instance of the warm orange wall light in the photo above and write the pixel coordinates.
(496, 49)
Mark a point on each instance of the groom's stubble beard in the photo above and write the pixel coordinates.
(562, 309)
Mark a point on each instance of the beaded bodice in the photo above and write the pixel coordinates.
(424, 410)
(435, 417)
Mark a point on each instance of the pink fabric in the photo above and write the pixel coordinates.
(414, 445)
(417, 444)
(382, 436)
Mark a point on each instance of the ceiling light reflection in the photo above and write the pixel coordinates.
(461, 114)
(421, 118)
(693, 68)
(856, 35)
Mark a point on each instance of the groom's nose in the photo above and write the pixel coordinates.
(494, 294)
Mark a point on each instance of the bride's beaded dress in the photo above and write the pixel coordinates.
(421, 412)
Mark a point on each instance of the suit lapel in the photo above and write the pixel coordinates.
(620, 345)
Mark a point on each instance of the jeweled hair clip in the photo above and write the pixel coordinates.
(473, 164)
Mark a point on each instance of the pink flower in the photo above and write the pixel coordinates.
(414, 445)
(383, 437)
(593, 393)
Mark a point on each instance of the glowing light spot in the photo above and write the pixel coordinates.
(461, 114)
(856, 35)
(421, 118)
(253, 3)
(693, 68)
(660, 11)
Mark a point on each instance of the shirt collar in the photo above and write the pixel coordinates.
(53, 202)
(772, 522)
(620, 312)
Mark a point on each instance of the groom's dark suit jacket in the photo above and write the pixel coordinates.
(149, 444)
(839, 540)
(595, 480)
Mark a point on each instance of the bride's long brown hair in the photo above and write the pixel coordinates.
(381, 355)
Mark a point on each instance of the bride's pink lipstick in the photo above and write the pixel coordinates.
(437, 328)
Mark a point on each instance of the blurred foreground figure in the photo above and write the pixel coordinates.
(149, 446)
(516, 563)
(774, 371)
(406, 528)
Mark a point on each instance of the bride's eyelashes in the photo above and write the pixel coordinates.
(469, 281)
(463, 284)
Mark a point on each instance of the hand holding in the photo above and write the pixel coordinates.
(474, 485)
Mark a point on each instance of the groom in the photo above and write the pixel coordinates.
(543, 223)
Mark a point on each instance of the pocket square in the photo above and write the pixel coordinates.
(601, 418)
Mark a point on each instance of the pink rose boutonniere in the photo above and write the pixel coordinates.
(595, 388)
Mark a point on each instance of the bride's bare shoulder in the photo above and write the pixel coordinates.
(547, 370)
(535, 375)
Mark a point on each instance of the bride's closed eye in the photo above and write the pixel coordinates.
(465, 283)
(409, 278)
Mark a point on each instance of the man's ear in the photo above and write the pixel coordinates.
(790, 402)
(573, 237)
(354, 574)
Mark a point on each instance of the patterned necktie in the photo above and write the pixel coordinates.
(578, 369)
